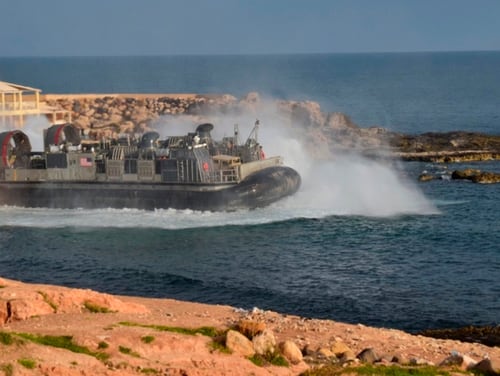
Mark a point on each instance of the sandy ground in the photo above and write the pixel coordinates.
(60, 311)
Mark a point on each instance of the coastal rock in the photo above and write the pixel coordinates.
(290, 351)
(264, 343)
(488, 367)
(22, 305)
(420, 362)
(179, 354)
(486, 178)
(348, 357)
(339, 348)
(326, 353)
(400, 359)
(368, 356)
(339, 121)
(458, 360)
(250, 328)
(23, 309)
(321, 132)
(239, 344)
(476, 176)
(425, 177)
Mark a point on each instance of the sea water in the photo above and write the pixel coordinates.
(362, 241)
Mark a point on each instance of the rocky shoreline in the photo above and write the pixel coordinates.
(53, 330)
(324, 134)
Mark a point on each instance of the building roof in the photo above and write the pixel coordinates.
(7, 87)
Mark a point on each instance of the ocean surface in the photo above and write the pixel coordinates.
(362, 241)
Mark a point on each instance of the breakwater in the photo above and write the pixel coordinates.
(323, 133)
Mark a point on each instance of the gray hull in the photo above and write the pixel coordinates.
(259, 189)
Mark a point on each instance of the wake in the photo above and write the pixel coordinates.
(344, 187)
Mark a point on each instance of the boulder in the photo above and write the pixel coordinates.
(326, 353)
(466, 174)
(239, 344)
(250, 328)
(400, 359)
(339, 348)
(476, 176)
(264, 343)
(458, 360)
(425, 177)
(486, 178)
(368, 356)
(290, 351)
(21, 309)
(488, 367)
(348, 357)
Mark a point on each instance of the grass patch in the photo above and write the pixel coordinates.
(27, 363)
(62, 342)
(218, 344)
(128, 351)
(7, 369)
(6, 338)
(149, 371)
(47, 300)
(95, 308)
(208, 331)
(275, 359)
(370, 370)
(102, 345)
(147, 339)
(204, 330)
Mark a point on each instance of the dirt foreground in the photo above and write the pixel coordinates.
(129, 332)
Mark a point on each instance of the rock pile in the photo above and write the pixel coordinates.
(255, 337)
(322, 133)
(476, 176)
(112, 114)
(469, 174)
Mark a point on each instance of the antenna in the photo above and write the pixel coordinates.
(255, 131)
(236, 133)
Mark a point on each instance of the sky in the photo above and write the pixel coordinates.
(186, 27)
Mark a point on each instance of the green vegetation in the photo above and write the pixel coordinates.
(128, 351)
(149, 371)
(6, 338)
(147, 339)
(27, 363)
(204, 330)
(95, 308)
(218, 344)
(275, 359)
(47, 300)
(62, 342)
(208, 331)
(102, 345)
(7, 369)
(370, 370)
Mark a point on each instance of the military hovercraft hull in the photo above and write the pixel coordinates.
(259, 189)
(182, 172)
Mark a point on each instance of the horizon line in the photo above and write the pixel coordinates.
(251, 54)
